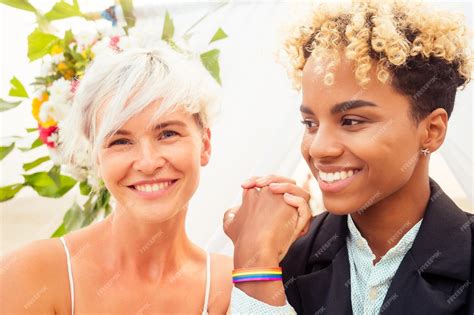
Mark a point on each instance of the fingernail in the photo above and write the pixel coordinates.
(275, 185)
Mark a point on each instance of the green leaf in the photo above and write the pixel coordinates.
(85, 188)
(39, 44)
(63, 10)
(68, 37)
(4, 151)
(45, 186)
(8, 192)
(19, 4)
(55, 173)
(34, 145)
(73, 218)
(220, 34)
(30, 130)
(4, 105)
(35, 163)
(60, 231)
(168, 28)
(17, 88)
(210, 60)
(127, 9)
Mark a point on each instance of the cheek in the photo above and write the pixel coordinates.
(113, 167)
(305, 145)
(390, 154)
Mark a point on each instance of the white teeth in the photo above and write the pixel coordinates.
(152, 188)
(332, 177)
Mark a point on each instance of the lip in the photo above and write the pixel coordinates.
(337, 186)
(153, 194)
(154, 181)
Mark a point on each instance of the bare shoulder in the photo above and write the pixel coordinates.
(221, 283)
(31, 278)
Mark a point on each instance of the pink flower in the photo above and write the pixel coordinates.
(114, 40)
(45, 135)
(74, 85)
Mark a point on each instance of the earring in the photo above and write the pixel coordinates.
(425, 151)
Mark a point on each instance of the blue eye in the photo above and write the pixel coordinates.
(168, 134)
(119, 142)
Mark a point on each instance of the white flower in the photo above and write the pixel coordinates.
(54, 110)
(57, 58)
(85, 38)
(127, 42)
(102, 47)
(60, 91)
(111, 31)
(46, 67)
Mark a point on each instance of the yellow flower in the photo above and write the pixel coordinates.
(62, 67)
(36, 105)
(56, 49)
(69, 74)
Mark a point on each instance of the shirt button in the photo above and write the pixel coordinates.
(373, 292)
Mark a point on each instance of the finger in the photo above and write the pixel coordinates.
(281, 188)
(229, 216)
(267, 180)
(306, 228)
(304, 212)
(250, 183)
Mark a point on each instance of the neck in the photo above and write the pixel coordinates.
(387, 221)
(148, 249)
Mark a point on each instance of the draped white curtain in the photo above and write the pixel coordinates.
(258, 131)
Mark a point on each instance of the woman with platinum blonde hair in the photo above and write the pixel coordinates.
(144, 117)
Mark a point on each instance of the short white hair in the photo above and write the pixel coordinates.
(123, 84)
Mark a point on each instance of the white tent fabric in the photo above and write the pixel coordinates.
(258, 131)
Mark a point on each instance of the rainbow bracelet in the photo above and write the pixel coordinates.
(256, 274)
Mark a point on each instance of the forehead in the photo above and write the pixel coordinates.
(148, 118)
(345, 85)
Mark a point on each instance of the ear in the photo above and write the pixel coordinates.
(435, 128)
(206, 147)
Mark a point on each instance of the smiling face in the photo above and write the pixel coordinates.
(153, 172)
(361, 144)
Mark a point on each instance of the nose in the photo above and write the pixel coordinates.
(325, 144)
(149, 158)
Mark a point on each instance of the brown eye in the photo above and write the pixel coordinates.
(351, 122)
(308, 124)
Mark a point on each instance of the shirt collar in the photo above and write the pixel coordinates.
(399, 250)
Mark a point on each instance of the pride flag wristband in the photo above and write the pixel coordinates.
(256, 274)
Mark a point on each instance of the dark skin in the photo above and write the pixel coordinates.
(369, 130)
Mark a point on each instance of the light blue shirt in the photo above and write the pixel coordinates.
(369, 283)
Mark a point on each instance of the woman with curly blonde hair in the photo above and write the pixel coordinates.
(378, 82)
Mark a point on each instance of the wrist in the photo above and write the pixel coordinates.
(251, 257)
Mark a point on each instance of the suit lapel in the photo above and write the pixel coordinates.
(438, 264)
(326, 286)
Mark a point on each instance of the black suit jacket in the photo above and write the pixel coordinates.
(434, 277)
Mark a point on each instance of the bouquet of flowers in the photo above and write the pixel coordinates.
(64, 60)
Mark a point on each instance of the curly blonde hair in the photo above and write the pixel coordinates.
(399, 38)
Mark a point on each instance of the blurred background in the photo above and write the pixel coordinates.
(257, 133)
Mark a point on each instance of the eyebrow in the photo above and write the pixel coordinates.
(341, 107)
(162, 125)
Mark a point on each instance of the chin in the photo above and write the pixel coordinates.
(339, 206)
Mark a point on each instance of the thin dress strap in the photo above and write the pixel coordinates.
(208, 283)
(69, 271)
